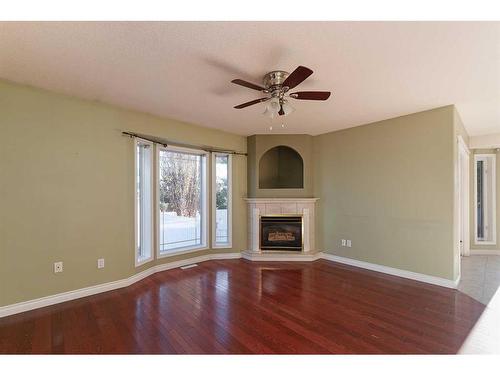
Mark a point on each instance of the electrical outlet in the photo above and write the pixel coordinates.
(349, 243)
(343, 242)
(100, 263)
(58, 267)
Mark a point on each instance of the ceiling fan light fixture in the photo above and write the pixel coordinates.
(287, 108)
(273, 105)
(269, 113)
(277, 84)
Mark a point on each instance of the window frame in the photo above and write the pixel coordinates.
(138, 262)
(491, 165)
(204, 203)
(229, 244)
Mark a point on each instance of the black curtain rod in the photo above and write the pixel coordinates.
(165, 143)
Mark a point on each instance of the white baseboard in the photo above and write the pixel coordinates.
(394, 271)
(484, 252)
(225, 256)
(61, 297)
(88, 291)
(106, 287)
(277, 257)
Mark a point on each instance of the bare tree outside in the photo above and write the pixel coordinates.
(180, 183)
(180, 190)
(221, 199)
(221, 183)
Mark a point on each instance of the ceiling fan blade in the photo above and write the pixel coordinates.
(247, 104)
(247, 84)
(310, 95)
(298, 76)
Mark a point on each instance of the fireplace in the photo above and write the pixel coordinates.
(281, 232)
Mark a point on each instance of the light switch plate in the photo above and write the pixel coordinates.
(100, 263)
(343, 242)
(349, 243)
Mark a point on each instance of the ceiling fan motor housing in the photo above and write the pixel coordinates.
(274, 80)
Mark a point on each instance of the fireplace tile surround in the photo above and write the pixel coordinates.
(258, 207)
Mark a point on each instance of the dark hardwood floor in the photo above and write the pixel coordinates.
(237, 306)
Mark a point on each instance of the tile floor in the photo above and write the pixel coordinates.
(480, 276)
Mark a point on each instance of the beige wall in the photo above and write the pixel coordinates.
(259, 144)
(473, 246)
(388, 186)
(66, 189)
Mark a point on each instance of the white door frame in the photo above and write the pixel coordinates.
(463, 180)
(488, 201)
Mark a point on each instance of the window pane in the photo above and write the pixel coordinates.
(480, 200)
(485, 199)
(143, 201)
(181, 200)
(222, 197)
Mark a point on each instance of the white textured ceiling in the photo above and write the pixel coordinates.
(182, 70)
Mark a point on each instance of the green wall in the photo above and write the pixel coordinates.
(388, 186)
(66, 190)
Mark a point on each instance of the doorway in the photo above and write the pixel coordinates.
(463, 198)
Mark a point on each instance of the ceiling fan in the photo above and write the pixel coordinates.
(277, 84)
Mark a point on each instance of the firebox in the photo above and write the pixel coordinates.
(279, 232)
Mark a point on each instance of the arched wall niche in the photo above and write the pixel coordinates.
(281, 167)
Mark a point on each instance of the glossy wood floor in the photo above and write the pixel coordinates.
(237, 306)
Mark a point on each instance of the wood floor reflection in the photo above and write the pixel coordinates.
(238, 306)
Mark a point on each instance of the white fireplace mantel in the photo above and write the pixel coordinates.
(258, 207)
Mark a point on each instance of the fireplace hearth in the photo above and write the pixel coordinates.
(280, 232)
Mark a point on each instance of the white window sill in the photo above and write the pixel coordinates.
(180, 251)
(486, 243)
(222, 246)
